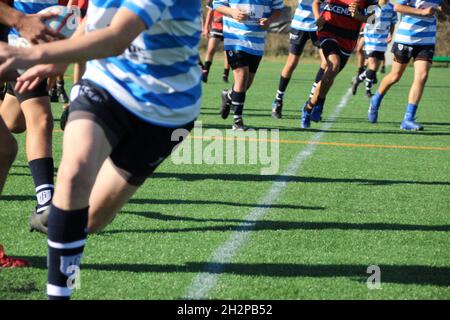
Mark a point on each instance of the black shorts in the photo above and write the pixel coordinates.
(403, 53)
(39, 91)
(298, 39)
(138, 147)
(240, 59)
(2, 90)
(330, 46)
(216, 33)
(375, 54)
(4, 31)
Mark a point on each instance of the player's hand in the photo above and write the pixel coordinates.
(428, 11)
(320, 23)
(264, 22)
(33, 28)
(353, 8)
(239, 15)
(35, 75)
(9, 58)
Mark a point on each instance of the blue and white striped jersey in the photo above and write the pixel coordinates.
(377, 28)
(247, 35)
(157, 78)
(32, 7)
(417, 30)
(304, 18)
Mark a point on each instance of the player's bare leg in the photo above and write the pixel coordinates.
(361, 61)
(388, 81)
(39, 121)
(333, 62)
(12, 114)
(110, 193)
(85, 148)
(8, 152)
(213, 43)
(421, 70)
(226, 69)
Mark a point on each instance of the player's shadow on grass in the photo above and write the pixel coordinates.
(219, 203)
(17, 198)
(384, 132)
(400, 274)
(241, 225)
(315, 130)
(282, 178)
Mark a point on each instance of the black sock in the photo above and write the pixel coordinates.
(320, 101)
(361, 70)
(226, 72)
(60, 84)
(362, 76)
(237, 102)
(282, 85)
(66, 240)
(42, 171)
(208, 65)
(370, 78)
(319, 76)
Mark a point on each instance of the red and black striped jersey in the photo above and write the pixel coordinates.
(217, 19)
(340, 25)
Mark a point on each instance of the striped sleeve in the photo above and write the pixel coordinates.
(277, 4)
(149, 11)
(394, 18)
(218, 3)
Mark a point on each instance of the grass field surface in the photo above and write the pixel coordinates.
(348, 195)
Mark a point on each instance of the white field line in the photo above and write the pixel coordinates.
(205, 281)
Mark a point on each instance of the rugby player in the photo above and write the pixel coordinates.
(338, 30)
(213, 31)
(415, 39)
(244, 30)
(377, 34)
(303, 28)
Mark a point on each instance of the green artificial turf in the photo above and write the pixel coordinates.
(352, 203)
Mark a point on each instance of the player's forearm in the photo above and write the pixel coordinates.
(208, 19)
(408, 10)
(9, 16)
(224, 10)
(316, 9)
(392, 29)
(98, 44)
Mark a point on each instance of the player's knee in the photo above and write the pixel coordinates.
(74, 176)
(42, 122)
(395, 77)
(422, 77)
(332, 69)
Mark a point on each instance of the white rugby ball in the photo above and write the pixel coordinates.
(66, 21)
